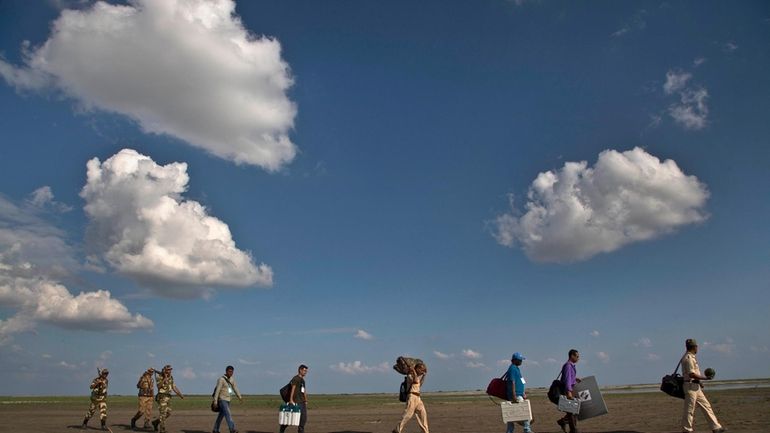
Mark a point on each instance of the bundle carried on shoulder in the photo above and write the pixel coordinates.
(403, 364)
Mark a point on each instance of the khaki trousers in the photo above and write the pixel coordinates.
(414, 406)
(693, 396)
(145, 408)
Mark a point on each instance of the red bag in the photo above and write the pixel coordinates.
(498, 387)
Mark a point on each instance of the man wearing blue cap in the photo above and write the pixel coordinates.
(515, 391)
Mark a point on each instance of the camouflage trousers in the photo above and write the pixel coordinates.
(97, 404)
(164, 411)
(144, 408)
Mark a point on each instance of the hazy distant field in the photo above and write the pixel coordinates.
(741, 410)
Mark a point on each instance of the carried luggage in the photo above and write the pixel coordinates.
(403, 392)
(567, 405)
(403, 364)
(285, 391)
(498, 387)
(673, 384)
(555, 390)
(516, 411)
(289, 414)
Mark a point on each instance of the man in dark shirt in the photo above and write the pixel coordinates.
(298, 395)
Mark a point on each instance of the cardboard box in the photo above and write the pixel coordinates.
(591, 400)
(516, 411)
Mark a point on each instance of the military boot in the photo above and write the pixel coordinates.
(104, 424)
(155, 424)
(85, 422)
(133, 423)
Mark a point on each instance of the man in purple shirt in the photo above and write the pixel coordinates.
(568, 380)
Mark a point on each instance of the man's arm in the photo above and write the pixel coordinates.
(218, 389)
(178, 392)
(291, 393)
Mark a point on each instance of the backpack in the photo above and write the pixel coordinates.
(403, 392)
(285, 391)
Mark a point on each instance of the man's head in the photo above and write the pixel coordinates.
(420, 368)
(150, 371)
(517, 358)
(167, 369)
(691, 345)
(302, 370)
(574, 355)
(104, 372)
(229, 371)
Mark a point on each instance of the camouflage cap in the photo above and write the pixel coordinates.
(167, 367)
(691, 342)
(104, 372)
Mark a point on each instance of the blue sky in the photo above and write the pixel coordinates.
(271, 183)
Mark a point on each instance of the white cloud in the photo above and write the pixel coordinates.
(474, 364)
(142, 226)
(188, 373)
(580, 211)
(643, 342)
(503, 362)
(675, 81)
(34, 258)
(551, 361)
(691, 111)
(471, 354)
(363, 335)
(441, 355)
(358, 367)
(729, 47)
(530, 363)
(725, 347)
(594, 333)
(247, 362)
(653, 357)
(186, 68)
(150, 355)
(68, 366)
(699, 61)
(603, 357)
(759, 349)
(46, 356)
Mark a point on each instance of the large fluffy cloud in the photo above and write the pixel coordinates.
(141, 225)
(580, 211)
(34, 256)
(187, 68)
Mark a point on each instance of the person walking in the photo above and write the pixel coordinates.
(166, 385)
(226, 387)
(98, 398)
(298, 395)
(515, 389)
(414, 404)
(568, 380)
(146, 394)
(693, 392)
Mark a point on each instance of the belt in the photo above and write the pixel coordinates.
(415, 393)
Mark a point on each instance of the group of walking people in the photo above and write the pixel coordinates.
(516, 392)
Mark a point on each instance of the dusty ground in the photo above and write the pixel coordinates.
(741, 411)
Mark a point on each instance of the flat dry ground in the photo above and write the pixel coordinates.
(740, 410)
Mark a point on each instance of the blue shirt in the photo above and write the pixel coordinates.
(514, 378)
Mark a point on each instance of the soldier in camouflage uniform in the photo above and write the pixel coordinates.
(165, 385)
(146, 393)
(98, 398)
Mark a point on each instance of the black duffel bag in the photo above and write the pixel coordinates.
(555, 390)
(673, 384)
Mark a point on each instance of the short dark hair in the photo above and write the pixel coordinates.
(301, 366)
(572, 352)
(229, 367)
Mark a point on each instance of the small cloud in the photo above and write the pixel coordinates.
(725, 347)
(247, 362)
(473, 364)
(363, 335)
(441, 355)
(46, 356)
(471, 354)
(529, 363)
(603, 357)
(150, 355)
(643, 342)
(653, 357)
(699, 61)
(729, 47)
(759, 349)
(622, 31)
(551, 361)
(675, 81)
(188, 373)
(67, 365)
(358, 367)
(594, 333)
(503, 362)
